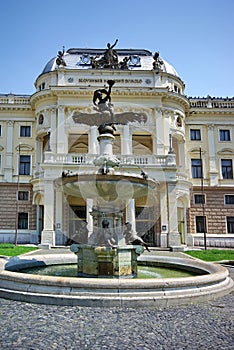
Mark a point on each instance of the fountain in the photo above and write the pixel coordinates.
(107, 254)
(110, 252)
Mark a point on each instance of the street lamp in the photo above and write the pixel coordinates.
(203, 198)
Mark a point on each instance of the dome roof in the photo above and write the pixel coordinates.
(81, 59)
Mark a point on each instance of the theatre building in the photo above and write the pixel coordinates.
(186, 144)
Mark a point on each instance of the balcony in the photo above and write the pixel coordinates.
(128, 160)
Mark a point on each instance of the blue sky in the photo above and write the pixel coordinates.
(196, 37)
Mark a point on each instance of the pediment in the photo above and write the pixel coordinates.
(196, 150)
(24, 147)
(226, 151)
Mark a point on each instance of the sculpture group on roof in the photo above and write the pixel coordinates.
(110, 60)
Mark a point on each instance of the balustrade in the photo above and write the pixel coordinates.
(76, 158)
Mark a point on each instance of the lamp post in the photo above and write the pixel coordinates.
(17, 200)
(203, 199)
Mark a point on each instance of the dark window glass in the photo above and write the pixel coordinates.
(23, 195)
(24, 165)
(25, 131)
(229, 199)
(230, 224)
(224, 135)
(200, 224)
(226, 165)
(195, 134)
(196, 168)
(23, 221)
(199, 199)
(0, 130)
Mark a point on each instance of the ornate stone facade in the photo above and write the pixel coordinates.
(159, 130)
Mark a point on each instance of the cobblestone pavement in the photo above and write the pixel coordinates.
(207, 326)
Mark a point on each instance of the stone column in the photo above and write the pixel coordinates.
(159, 132)
(61, 137)
(59, 216)
(127, 141)
(89, 218)
(48, 233)
(163, 215)
(9, 153)
(166, 130)
(182, 156)
(130, 213)
(53, 133)
(173, 234)
(213, 171)
(93, 145)
(38, 154)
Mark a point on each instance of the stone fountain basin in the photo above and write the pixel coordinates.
(109, 187)
(104, 292)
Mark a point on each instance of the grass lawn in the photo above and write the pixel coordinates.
(8, 249)
(212, 254)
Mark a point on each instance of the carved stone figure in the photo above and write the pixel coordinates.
(104, 235)
(131, 237)
(158, 62)
(111, 56)
(60, 60)
(109, 59)
(103, 103)
(124, 64)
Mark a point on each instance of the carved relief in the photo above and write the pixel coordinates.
(124, 118)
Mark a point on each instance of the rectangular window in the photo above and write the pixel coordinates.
(195, 134)
(199, 199)
(196, 168)
(24, 165)
(23, 195)
(25, 131)
(230, 224)
(0, 130)
(226, 165)
(224, 135)
(200, 224)
(229, 199)
(23, 221)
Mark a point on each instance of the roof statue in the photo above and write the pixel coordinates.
(158, 62)
(60, 60)
(109, 59)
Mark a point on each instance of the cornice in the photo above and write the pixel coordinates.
(12, 107)
(210, 111)
(60, 91)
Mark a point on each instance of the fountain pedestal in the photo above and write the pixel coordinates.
(98, 261)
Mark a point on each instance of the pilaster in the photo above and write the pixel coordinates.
(130, 213)
(93, 145)
(163, 215)
(61, 136)
(213, 171)
(48, 233)
(173, 234)
(9, 152)
(53, 125)
(127, 141)
(159, 132)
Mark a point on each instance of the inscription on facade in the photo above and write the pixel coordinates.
(100, 80)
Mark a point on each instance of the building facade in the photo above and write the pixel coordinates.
(185, 144)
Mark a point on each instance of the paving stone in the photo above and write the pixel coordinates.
(208, 326)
